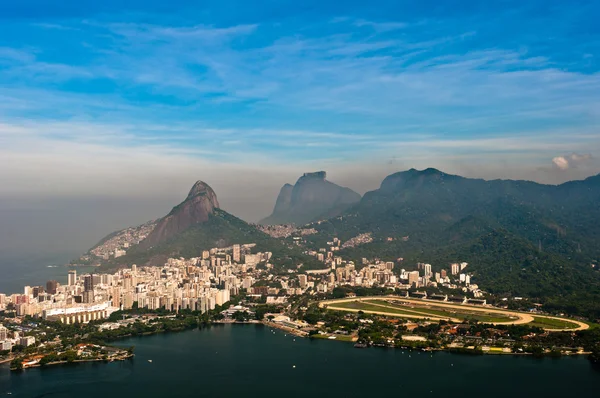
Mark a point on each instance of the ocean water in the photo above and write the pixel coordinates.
(18, 270)
(254, 361)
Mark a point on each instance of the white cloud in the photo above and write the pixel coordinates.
(570, 161)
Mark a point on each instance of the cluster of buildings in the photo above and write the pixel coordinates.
(285, 230)
(8, 339)
(117, 245)
(380, 273)
(205, 282)
(358, 240)
(200, 283)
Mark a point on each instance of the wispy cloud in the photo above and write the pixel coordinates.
(381, 26)
(334, 91)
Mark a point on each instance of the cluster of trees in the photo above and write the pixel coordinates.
(68, 356)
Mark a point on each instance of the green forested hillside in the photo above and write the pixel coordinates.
(520, 238)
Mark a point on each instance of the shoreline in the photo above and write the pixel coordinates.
(290, 330)
(304, 334)
(37, 365)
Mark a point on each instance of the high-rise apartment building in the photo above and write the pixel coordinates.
(455, 268)
(302, 280)
(51, 286)
(427, 269)
(88, 283)
(413, 278)
(72, 279)
(237, 253)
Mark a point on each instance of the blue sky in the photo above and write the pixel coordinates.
(136, 97)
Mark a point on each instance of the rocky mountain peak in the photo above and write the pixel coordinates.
(317, 175)
(200, 188)
(311, 198)
(197, 207)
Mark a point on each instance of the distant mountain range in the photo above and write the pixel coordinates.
(519, 237)
(312, 198)
(560, 217)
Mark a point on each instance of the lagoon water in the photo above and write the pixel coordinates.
(253, 361)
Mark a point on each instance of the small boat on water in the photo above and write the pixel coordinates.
(360, 345)
(150, 360)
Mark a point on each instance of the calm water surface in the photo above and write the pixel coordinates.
(251, 361)
(18, 270)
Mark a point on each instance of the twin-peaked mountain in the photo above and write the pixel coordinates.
(197, 224)
(312, 198)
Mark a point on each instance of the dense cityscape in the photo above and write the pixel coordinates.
(233, 284)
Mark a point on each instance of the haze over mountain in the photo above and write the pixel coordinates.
(430, 201)
(197, 208)
(311, 198)
(383, 86)
(195, 225)
(519, 237)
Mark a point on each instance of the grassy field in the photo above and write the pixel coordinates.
(338, 337)
(433, 311)
(551, 323)
(448, 313)
(364, 306)
(399, 310)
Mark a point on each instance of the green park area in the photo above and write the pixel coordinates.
(338, 337)
(552, 323)
(369, 307)
(411, 309)
(442, 312)
(383, 307)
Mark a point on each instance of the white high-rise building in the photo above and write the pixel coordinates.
(3, 333)
(455, 268)
(413, 277)
(72, 278)
(427, 269)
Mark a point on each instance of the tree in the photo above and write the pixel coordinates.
(69, 356)
(16, 364)
(48, 358)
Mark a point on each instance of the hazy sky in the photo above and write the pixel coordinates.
(110, 112)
